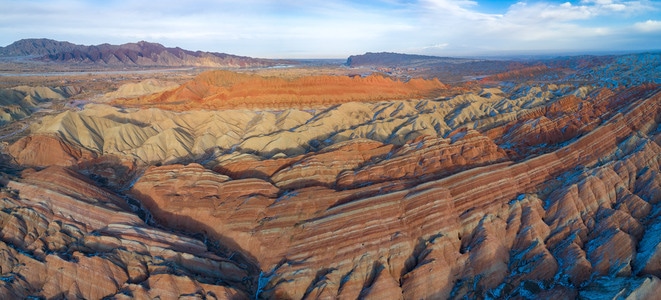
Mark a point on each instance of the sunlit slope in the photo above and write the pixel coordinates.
(226, 89)
(21, 101)
(536, 183)
(153, 135)
(136, 89)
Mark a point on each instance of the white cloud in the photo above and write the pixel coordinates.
(618, 5)
(648, 26)
(455, 10)
(539, 25)
(545, 12)
(334, 28)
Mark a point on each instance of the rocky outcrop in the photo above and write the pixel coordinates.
(43, 150)
(323, 168)
(64, 237)
(564, 120)
(425, 158)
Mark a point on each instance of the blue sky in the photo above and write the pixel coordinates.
(337, 29)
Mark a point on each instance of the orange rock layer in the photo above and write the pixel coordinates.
(63, 237)
(226, 89)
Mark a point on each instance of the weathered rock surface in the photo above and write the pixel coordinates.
(515, 191)
(145, 87)
(64, 237)
(45, 150)
(501, 229)
(425, 158)
(152, 135)
(19, 102)
(323, 168)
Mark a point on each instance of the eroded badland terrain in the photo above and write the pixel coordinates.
(139, 171)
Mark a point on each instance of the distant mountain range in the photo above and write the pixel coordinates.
(132, 54)
(446, 69)
(399, 59)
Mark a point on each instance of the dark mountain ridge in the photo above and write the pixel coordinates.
(37, 47)
(131, 54)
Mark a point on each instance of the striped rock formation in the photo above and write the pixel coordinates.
(544, 191)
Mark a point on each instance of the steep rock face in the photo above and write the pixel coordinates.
(425, 158)
(61, 236)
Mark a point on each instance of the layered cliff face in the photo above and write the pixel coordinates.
(64, 237)
(516, 190)
(554, 224)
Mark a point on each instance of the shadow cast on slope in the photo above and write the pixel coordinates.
(216, 242)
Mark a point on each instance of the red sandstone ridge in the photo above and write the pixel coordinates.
(564, 119)
(42, 150)
(426, 157)
(519, 73)
(525, 190)
(448, 237)
(225, 89)
(63, 237)
(352, 214)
